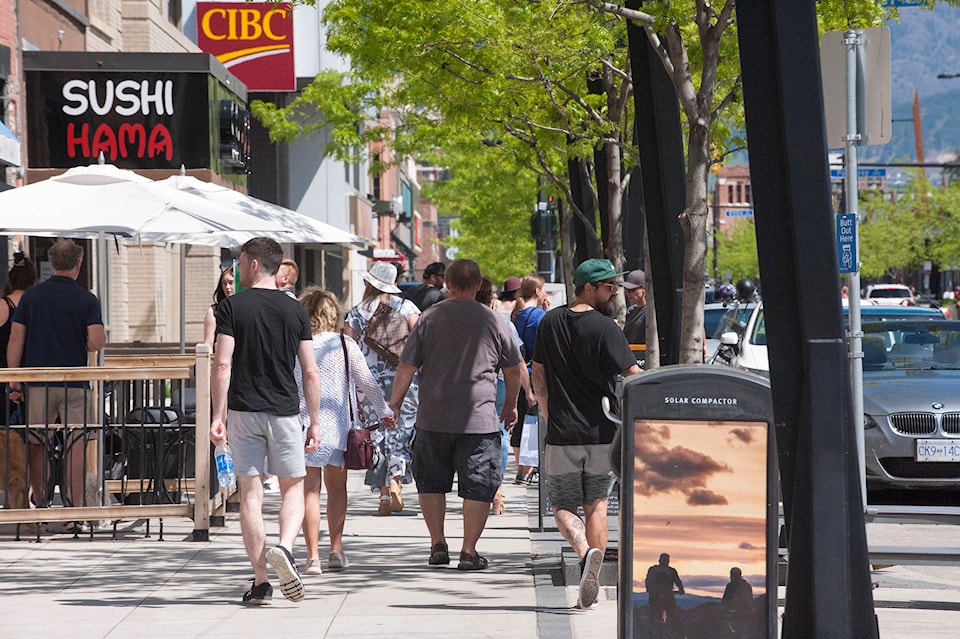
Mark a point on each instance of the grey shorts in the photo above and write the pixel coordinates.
(474, 458)
(255, 437)
(577, 475)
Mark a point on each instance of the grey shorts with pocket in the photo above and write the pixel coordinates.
(255, 437)
(577, 475)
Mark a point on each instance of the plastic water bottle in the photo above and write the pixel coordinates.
(224, 459)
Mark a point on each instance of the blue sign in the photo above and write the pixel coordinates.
(847, 242)
(871, 172)
(738, 213)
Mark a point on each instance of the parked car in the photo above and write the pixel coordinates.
(911, 400)
(747, 349)
(889, 295)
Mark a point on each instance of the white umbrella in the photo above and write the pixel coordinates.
(87, 201)
(297, 228)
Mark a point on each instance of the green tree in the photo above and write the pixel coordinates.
(737, 252)
(551, 81)
(492, 204)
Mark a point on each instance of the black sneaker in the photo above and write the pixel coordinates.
(291, 586)
(590, 578)
(261, 595)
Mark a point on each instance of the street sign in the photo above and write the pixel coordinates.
(871, 172)
(738, 213)
(873, 86)
(847, 242)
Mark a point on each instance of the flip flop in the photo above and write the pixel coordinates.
(471, 562)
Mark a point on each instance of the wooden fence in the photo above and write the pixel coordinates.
(128, 449)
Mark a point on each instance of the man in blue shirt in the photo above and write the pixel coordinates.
(57, 323)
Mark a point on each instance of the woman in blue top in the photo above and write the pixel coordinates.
(532, 304)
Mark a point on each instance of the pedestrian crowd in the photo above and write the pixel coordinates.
(453, 376)
(449, 375)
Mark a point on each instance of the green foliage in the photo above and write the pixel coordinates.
(737, 252)
(901, 230)
(493, 201)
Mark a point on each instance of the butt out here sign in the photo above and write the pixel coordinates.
(254, 40)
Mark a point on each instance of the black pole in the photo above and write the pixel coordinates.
(664, 183)
(828, 585)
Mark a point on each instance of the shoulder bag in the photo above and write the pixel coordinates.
(361, 452)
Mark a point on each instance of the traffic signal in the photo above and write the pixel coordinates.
(543, 223)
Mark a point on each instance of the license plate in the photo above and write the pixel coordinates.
(938, 450)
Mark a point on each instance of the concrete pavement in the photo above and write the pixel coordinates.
(138, 586)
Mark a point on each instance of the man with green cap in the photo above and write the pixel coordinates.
(579, 352)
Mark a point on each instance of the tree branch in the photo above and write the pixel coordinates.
(630, 14)
(484, 70)
(727, 99)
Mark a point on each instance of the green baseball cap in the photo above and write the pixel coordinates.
(594, 270)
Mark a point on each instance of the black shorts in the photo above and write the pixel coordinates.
(474, 458)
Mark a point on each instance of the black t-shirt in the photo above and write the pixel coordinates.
(582, 354)
(424, 296)
(267, 327)
(635, 326)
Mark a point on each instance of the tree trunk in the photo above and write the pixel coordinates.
(693, 220)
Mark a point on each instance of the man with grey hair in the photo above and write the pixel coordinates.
(458, 347)
(261, 333)
(58, 323)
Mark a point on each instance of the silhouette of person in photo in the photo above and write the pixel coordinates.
(738, 602)
(660, 580)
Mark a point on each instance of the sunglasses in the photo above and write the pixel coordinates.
(614, 286)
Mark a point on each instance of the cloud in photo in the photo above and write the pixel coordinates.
(662, 469)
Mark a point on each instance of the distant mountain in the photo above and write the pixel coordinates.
(923, 45)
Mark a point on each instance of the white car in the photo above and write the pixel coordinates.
(889, 295)
(748, 350)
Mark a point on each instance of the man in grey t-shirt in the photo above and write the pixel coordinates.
(458, 347)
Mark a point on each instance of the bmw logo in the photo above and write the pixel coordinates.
(937, 405)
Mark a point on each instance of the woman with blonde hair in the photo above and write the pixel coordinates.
(344, 372)
(396, 445)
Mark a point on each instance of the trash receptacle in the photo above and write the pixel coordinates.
(698, 505)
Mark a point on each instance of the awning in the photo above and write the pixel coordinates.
(9, 147)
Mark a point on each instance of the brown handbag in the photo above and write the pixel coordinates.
(361, 452)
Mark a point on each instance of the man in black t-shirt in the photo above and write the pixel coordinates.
(427, 294)
(579, 353)
(635, 324)
(261, 333)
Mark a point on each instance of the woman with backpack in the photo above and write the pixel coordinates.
(380, 324)
(530, 308)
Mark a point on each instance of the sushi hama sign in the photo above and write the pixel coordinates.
(148, 120)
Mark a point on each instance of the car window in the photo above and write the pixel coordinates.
(734, 319)
(759, 334)
(711, 319)
(910, 345)
(889, 292)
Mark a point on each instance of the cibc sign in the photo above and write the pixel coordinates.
(149, 120)
(254, 40)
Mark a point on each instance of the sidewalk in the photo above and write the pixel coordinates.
(142, 587)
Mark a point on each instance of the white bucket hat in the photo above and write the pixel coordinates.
(381, 277)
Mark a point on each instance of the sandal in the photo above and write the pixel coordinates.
(498, 507)
(439, 554)
(384, 508)
(471, 562)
